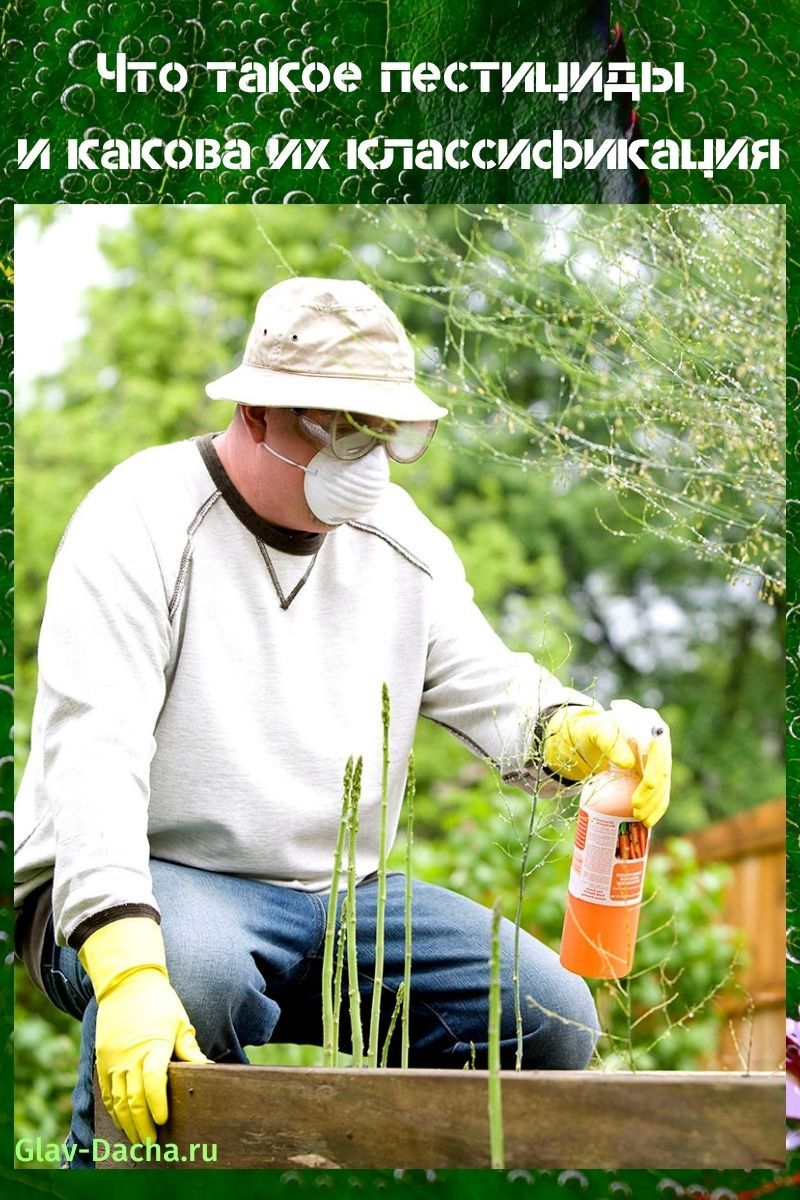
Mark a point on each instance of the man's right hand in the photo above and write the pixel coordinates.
(579, 741)
(141, 1022)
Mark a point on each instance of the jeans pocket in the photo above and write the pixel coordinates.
(62, 993)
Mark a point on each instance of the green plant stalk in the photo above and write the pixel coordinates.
(625, 1001)
(496, 1146)
(526, 850)
(398, 1004)
(337, 982)
(380, 920)
(411, 787)
(330, 930)
(352, 954)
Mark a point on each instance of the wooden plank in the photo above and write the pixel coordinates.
(759, 829)
(769, 933)
(769, 995)
(268, 1117)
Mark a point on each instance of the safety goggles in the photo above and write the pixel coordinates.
(349, 436)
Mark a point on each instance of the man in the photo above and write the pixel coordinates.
(222, 614)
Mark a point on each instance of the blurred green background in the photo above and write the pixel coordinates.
(612, 475)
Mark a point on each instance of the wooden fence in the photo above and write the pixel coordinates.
(754, 845)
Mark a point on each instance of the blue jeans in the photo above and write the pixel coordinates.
(246, 960)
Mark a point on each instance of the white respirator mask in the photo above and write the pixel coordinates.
(339, 491)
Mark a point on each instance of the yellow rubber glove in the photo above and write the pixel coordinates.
(581, 741)
(140, 1023)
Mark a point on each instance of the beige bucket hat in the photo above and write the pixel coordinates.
(327, 343)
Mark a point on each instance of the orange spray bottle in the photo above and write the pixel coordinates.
(608, 863)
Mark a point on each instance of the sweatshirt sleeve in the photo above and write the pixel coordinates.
(493, 699)
(103, 650)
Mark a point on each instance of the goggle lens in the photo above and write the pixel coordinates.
(411, 440)
(350, 436)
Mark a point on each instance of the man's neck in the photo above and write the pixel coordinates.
(250, 476)
(266, 529)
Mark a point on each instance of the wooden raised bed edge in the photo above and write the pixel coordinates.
(288, 1117)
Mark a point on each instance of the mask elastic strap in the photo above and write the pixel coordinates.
(290, 461)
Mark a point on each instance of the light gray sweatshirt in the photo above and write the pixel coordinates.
(204, 676)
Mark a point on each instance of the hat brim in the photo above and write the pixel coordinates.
(393, 400)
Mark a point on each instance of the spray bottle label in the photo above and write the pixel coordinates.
(609, 859)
